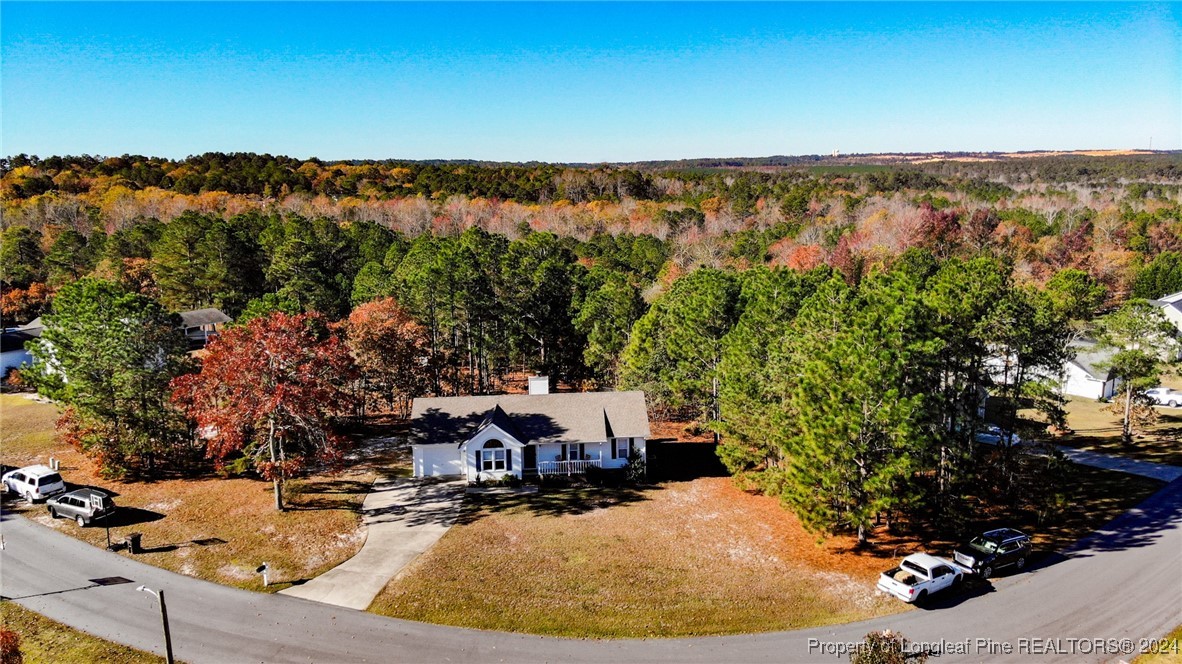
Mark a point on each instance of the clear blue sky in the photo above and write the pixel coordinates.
(586, 82)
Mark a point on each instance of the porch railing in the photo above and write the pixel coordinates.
(574, 467)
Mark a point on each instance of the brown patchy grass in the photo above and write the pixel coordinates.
(686, 558)
(26, 430)
(45, 640)
(1169, 652)
(218, 529)
(1096, 429)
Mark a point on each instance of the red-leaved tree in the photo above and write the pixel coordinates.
(269, 391)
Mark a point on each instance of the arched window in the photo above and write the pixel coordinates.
(494, 456)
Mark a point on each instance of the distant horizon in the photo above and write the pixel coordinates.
(587, 82)
(1092, 152)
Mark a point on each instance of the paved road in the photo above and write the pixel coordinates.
(403, 518)
(1122, 582)
(1157, 471)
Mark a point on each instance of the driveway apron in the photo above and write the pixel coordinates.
(403, 517)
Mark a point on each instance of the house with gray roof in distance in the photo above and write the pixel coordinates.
(199, 325)
(13, 353)
(1087, 373)
(540, 433)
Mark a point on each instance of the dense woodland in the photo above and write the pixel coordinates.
(831, 321)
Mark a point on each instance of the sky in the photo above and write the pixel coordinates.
(586, 82)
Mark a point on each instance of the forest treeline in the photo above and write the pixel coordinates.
(835, 327)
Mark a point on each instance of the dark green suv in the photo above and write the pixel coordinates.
(992, 550)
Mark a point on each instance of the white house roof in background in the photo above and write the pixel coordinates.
(34, 324)
(1172, 297)
(1167, 304)
(568, 417)
(1092, 359)
(199, 317)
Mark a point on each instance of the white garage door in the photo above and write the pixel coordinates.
(437, 461)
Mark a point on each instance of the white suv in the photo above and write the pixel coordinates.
(1164, 396)
(34, 482)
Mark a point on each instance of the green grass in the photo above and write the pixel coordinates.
(45, 640)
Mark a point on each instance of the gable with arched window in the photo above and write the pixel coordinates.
(495, 456)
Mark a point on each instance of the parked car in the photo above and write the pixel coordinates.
(1164, 396)
(34, 483)
(993, 550)
(995, 435)
(918, 576)
(82, 505)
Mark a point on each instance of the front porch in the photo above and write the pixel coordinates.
(572, 467)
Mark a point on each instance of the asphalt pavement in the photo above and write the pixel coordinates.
(1123, 582)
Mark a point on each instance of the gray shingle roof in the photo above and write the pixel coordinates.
(199, 317)
(574, 417)
(1093, 359)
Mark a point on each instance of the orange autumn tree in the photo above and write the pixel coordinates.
(391, 349)
(21, 305)
(270, 391)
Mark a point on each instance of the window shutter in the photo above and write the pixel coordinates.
(508, 459)
(613, 443)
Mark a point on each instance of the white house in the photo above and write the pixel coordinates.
(489, 437)
(1087, 374)
(13, 353)
(1171, 306)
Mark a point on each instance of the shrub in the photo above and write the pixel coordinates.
(636, 471)
(10, 647)
(885, 647)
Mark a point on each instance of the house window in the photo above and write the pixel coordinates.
(573, 451)
(622, 448)
(492, 457)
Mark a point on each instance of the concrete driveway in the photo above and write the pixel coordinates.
(403, 518)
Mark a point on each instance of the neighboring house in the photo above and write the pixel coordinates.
(200, 325)
(13, 353)
(489, 437)
(1087, 374)
(1171, 306)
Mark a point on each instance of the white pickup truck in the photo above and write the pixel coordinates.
(918, 576)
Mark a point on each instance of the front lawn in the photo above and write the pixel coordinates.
(45, 640)
(685, 558)
(209, 527)
(1096, 429)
